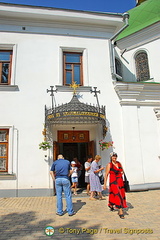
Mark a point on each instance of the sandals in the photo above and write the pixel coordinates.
(111, 208)
(121, 216)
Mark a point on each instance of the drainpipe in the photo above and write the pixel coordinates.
(111, 46)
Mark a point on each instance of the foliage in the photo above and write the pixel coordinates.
(44, 145)
(105, 145)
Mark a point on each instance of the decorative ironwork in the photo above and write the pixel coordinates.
(142, 67)
(52, 95)
(76, 112)
(95, 95)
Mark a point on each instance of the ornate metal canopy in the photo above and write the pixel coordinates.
(75, 112)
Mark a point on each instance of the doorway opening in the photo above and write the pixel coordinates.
(70, 147)
(79, 150)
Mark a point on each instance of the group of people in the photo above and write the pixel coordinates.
(62, 169)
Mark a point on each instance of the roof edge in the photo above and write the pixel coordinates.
(62, 9)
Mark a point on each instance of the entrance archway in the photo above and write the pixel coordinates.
(74, 113)
(70, 147)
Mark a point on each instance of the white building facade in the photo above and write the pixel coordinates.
(43, 47)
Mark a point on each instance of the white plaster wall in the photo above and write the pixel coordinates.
(141, 144)
(149, 143)
(132, 145)
(38, 65)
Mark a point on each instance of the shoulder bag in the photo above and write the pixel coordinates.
(126, 184)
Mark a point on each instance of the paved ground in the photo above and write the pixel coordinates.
(26, 218)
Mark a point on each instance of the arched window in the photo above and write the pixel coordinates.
(142, 67)
(118, 66)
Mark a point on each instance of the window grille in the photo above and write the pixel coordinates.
(142, 67)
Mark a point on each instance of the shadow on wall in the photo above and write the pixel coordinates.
(106, 152)
(48, 159)
(128, 76)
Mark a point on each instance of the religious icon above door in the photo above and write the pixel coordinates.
(70, 136)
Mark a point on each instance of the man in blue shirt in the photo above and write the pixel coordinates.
(61, 170)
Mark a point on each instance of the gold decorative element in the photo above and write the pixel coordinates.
(74, 86)
(105, 130)
(44, 132)
(76, 113)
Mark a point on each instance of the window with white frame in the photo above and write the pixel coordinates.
(72, 68)
(4, 137)
(142, 66)
(5, 67)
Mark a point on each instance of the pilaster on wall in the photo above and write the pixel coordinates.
(132, 145)
(140, 104)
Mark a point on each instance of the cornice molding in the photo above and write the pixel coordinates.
(140, 38)
(146, 94)
(56, 28)
(21, 12)
(139, 103)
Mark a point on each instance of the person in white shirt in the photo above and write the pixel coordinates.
(87, 167)
(74, 176)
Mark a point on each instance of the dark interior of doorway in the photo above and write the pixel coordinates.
(79, 150)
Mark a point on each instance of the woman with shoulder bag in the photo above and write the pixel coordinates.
(117, 197)
(95, 184)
